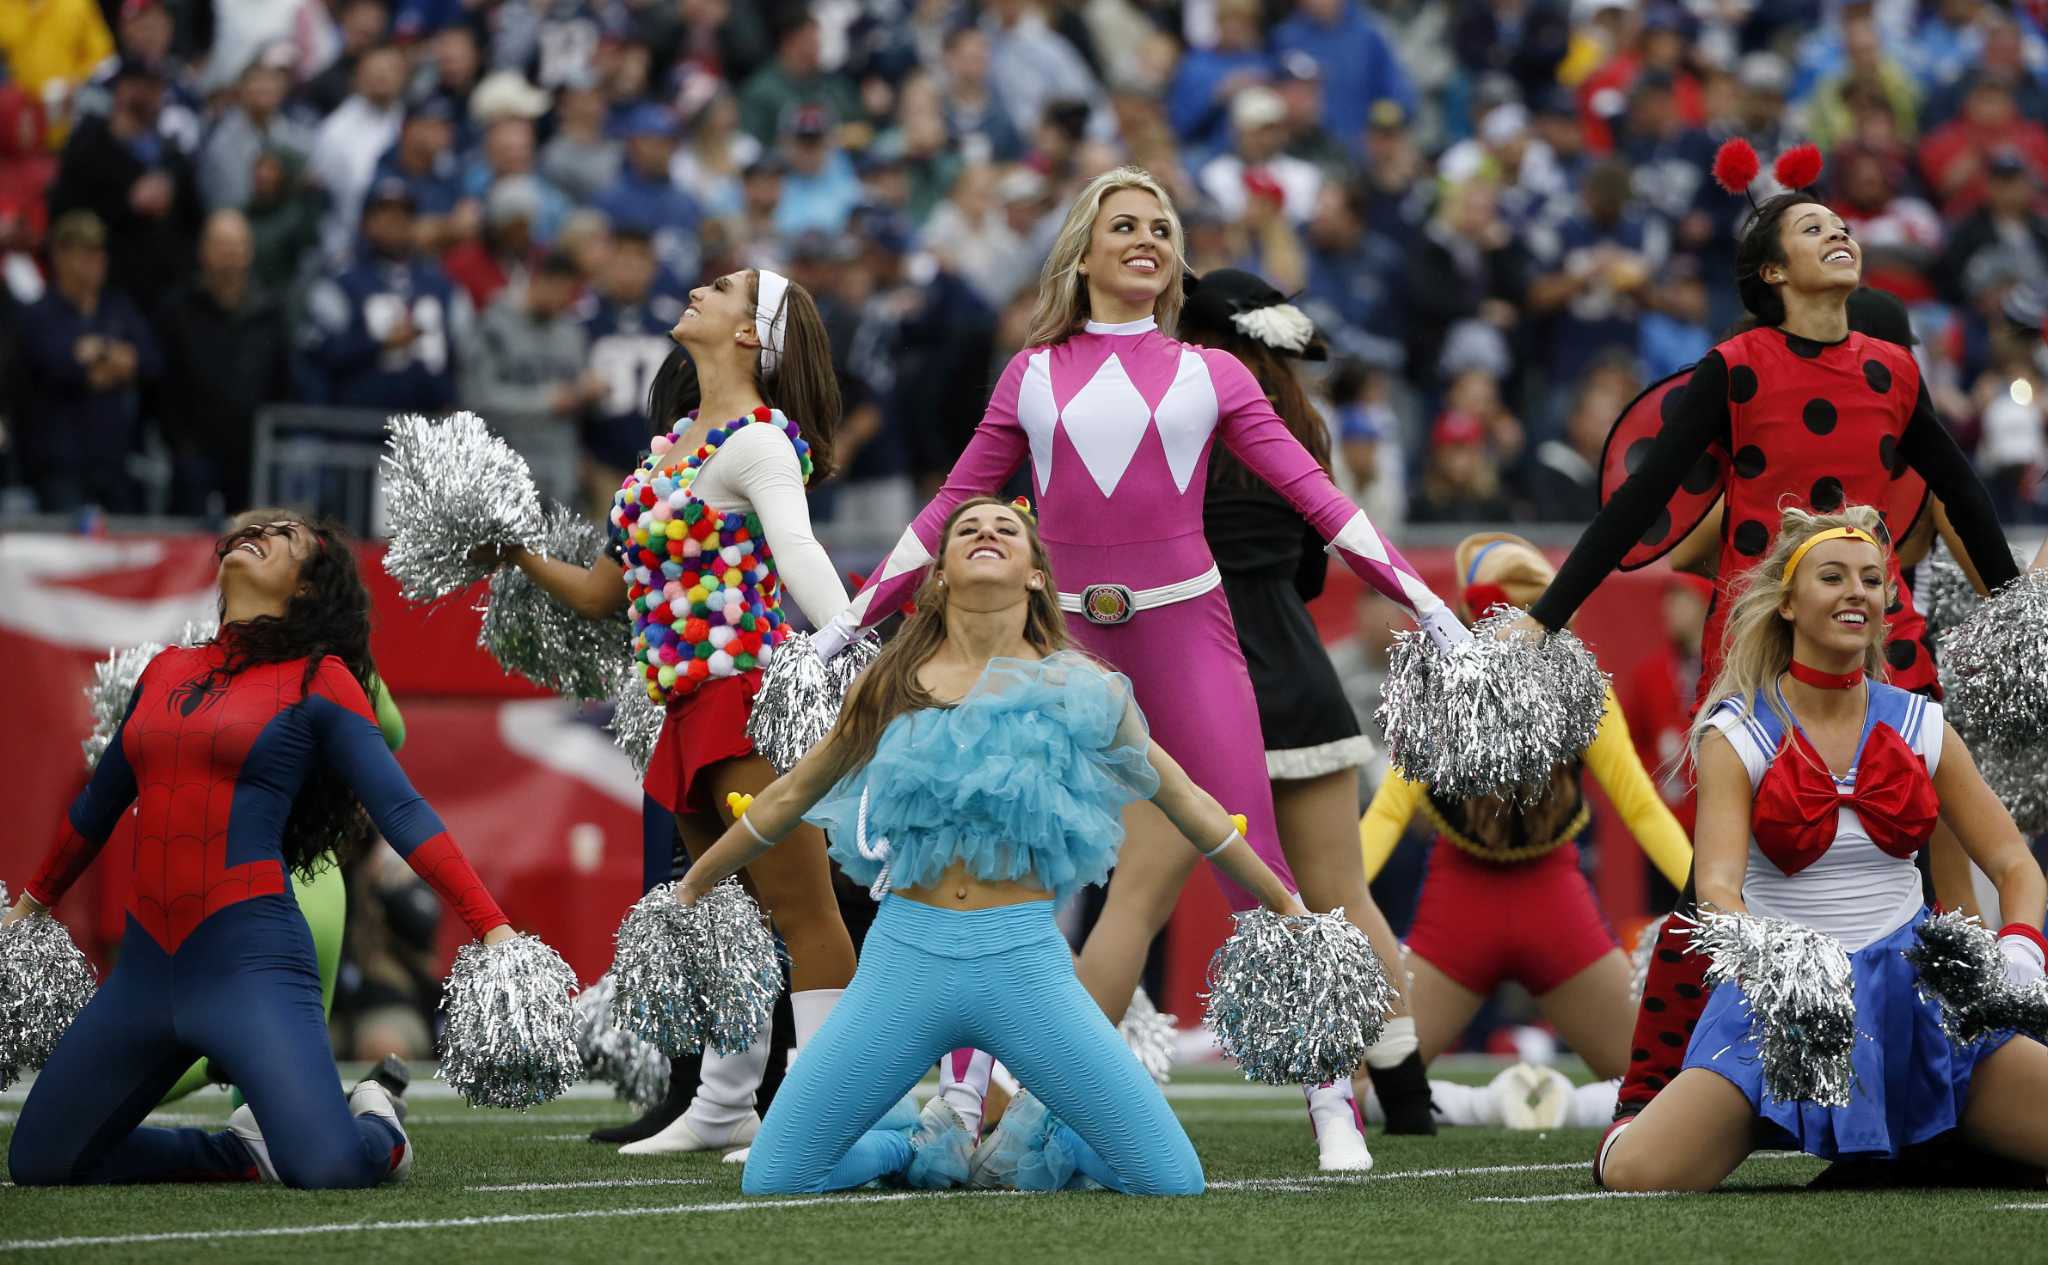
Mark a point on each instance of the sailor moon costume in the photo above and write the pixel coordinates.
(1023, 780)
(1836, 854)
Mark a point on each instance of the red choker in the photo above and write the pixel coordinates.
(1825, 680)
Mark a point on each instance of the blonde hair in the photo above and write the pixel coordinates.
(1518, 567)
(1758, 639)
(1063, 292)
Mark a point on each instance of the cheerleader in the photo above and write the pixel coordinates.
(1800, 409)
(1504, 898)
(1273, 565)
(975, 776)
(1117, 419)
(706, 534)
(1818, 783)
(247, 759)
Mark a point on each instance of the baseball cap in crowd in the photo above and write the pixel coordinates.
(1255, 108)
(1299, 66)
(1455, 428)
(136, 68)
(816, 246)
(277, 55)
(1386, 115)
(390, 191)
(559, 263)
(648, 119)
(808, 122)
(512, 199)
(765, 165)
(1504, 123)
(78, 228)
(505, 94)
(1020, 184)
(1764, 71)
(2007, 162)
(436, 108)
(887, 232)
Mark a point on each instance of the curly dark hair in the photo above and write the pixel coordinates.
(329, 615)
(1760, 247)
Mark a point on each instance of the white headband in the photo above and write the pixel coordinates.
(769, 317)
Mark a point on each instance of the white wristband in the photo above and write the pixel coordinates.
(1212, 853)
(759, 838)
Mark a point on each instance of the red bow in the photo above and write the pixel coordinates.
(1795, 814)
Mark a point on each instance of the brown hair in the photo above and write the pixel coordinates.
(803, 384)
(890, 686)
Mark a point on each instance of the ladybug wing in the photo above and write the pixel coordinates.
(1628, 443)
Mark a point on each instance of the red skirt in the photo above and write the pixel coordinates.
(1485, 922)
(707, 726)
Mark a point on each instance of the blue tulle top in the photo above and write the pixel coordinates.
(1024, 779)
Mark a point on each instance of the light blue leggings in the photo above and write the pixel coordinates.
(932, 980)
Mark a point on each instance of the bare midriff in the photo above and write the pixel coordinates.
(958, 888)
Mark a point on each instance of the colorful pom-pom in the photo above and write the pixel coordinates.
(1736, 165)
(1798, 167)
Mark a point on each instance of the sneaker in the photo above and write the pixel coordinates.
(1532, 1098)
(242, 1123)
(681, 1137)
(736, 1157)
(1340, 1147)
(939, 1148)
(396, 1078)
(1021, 1153)
(371, 1098)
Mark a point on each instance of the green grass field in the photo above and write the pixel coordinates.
(499, 1186)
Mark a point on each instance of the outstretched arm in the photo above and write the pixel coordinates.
(1386, 820)
(1196, 814)
(1253, 432)
(1929, 449)
(89, 824)
(993, 454)
(767, 820)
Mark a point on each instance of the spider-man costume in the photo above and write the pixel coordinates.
(216, 960)
(1769, 420)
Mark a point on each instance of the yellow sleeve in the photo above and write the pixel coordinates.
(1615, 765)
(1386, 820)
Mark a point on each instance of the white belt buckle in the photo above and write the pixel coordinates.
(1107, 604)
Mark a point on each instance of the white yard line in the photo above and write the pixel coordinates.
(1576, 1197)
(2021, 1208)
(607, 1185)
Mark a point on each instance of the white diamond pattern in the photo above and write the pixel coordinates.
(1187, 417)
(1106, 421)
(1038, 413)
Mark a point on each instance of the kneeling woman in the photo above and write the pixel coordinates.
(1782, 833)
(977, 774)
(252, 757)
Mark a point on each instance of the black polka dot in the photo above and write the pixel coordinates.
(1669, 955)
(1638, 452)
(1804, 348)
(1879, 377)
(1667, 408)
(1902, 654)
(1819, 416)
(1671, 1038)
(1687, 991)
(1655, 1005)
(1704, 474)
(1888, 452)
(1658, 529)
(1742, 384)
(1653, 1082)
(1639, 1056)
(1749, 461)
(1827, 494)
(1671, 1071)
(1751, 539)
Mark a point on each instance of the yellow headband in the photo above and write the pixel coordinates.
(1832, 533)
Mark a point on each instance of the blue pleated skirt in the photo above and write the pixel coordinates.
(1911, 1081)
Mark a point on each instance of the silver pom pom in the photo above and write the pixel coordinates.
(1995, 666)
(527, 631)
(1802, 1000)
(1494, 715)
(695, 975)
(44, 982)
(510, 1038)
(1153, 1037)
(1639, 961)
(801, 695)
(1961, 969)
(1297, 1000)
(636, 719)
(113, 684)
(451, 486)
(633, 1067)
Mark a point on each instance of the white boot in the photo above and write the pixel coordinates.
(1532, 1098)
(243, 1125)
(722, 1115)
(1592, 1105)
(1340, 1146)
(809, 1009)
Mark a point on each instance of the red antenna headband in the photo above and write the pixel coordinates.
(1736, 166)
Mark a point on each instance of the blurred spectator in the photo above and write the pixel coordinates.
(141, 188)
(1466, 275)
(2013, 450)
(1672, 160)
(1300, 85)
(755, 235)
(1900, 234)
(1354, 277)
(1597, 272)
(645, 197)
(353, 138)
(1460, 483)
(1762, 82)
(1032, 66)
(381, 331)
(2007, 221)
(819, 187)
(1368, 433)
(970, 234)
(1677, 330)
(85, 355)
(1524, 39)
(795, 78)
(1563, 484)
(505, 250)
(1948, 41)
(975, 115)
(255, 122)
(528, 354)
(580, 159)
(1554, 120)
(628, 328)
(424, 158)
(145, 33)
(1396, 187)
(1657, 694)
(284, 215)
(363, 25)
(241, 31)
(1533, 190)
(713, 155)
(1867, 64)
(51, 49)
(507, 153)
(1953, 157)
(918, 145)
(227, 352)
(1258, 120)
(1359, 66)
(26, 170)
(1208, 79)
(2006, 53)
(450, 75)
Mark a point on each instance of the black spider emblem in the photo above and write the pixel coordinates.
(201, 691)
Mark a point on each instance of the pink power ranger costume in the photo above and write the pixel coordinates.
(1118, 421)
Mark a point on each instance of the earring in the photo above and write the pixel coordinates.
(1083, 270)
(942, 581)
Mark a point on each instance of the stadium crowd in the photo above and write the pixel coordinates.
(1498, 211)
